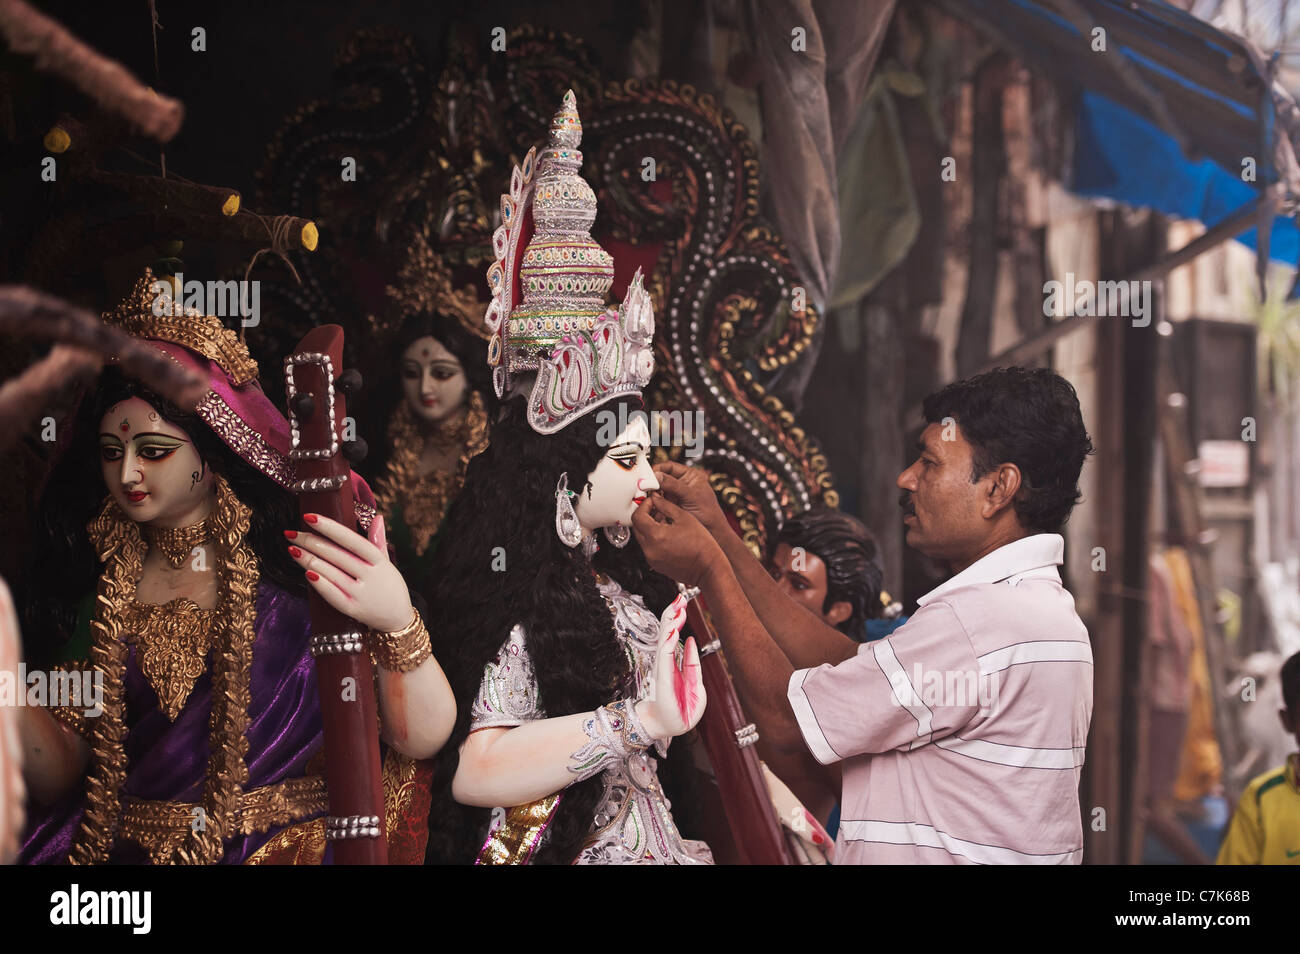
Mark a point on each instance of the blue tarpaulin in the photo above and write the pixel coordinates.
(1164, 114)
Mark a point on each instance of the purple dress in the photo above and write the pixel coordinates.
(168, 760)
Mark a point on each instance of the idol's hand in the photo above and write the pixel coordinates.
(688, 487)
(352, 573)
(677, 702)
(674, 542)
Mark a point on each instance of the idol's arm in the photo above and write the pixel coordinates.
(521, 764)
(513, 766)
(54, 757)
(806, 640)
(417, 709)
(354, 575)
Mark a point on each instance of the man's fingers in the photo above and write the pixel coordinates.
(669, 509)
(671, 467)
(671, 486)
(642, 520)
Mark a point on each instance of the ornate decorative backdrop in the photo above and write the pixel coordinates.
(432, 158)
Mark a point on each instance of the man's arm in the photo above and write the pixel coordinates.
(760, 668)
(805, 640)
(677, 545)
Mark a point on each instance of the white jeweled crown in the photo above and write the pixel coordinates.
(583, 352)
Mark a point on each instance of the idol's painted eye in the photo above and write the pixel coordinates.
(157, 451)
(110, 452)
(442, 374)
(627, 463)
(410, 372)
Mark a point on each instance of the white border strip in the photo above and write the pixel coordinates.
(1042, 650)
(803, 714)
(896, 675)
(926, 836)
(1017, 756)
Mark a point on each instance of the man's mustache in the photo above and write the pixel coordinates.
(905, 501)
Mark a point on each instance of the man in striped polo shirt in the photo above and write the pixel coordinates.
(961, 735)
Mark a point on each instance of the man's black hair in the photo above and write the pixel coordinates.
(846, 546)
(1290, 675)
(1028, 417)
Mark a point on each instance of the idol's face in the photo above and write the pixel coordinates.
(433, 381)
(151, 467)
(620, 482)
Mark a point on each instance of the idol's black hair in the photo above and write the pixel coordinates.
(65, 569)
(846, 546)
(1029, 417)
(501, 563)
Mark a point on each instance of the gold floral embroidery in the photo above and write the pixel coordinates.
(173, 641)
(161, 828)
(514, 842)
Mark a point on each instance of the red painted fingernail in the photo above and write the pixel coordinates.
(291, 534)
(310, 517)
(313, 575)
(295, 552)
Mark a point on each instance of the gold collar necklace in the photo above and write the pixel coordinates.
(178, 543)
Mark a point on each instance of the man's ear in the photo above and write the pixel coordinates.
(1002, 491)
(840, 611)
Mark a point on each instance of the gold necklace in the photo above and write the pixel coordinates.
(177, 544)
(424, 500)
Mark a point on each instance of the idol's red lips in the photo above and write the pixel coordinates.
(135, 496)
(639, 500)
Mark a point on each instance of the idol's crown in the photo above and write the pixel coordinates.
(150, 311)
(584, 352)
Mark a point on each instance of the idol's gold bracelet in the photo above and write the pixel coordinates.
(404, 649)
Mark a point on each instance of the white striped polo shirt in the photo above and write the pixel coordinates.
(962, 732)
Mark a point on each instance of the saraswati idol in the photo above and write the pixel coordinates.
(561, 644)
(165, 573)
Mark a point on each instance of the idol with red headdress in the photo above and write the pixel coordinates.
(171, 576)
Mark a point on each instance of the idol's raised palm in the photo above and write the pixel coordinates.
(678, 699)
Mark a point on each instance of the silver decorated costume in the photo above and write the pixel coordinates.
(633, 824)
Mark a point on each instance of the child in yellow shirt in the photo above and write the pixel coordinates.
(1265, 828)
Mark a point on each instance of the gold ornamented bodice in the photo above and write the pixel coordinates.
(172, 641)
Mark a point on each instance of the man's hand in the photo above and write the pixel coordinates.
(674, 542)
(688, 488)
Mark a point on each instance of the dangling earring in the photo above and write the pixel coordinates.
(567, 527)
(618, 535)
(589, 545)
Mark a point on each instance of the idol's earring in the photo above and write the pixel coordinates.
(618, 535)
(567, 527)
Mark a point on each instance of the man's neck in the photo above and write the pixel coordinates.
(996, 541)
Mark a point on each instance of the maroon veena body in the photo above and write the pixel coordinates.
(344, 674)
